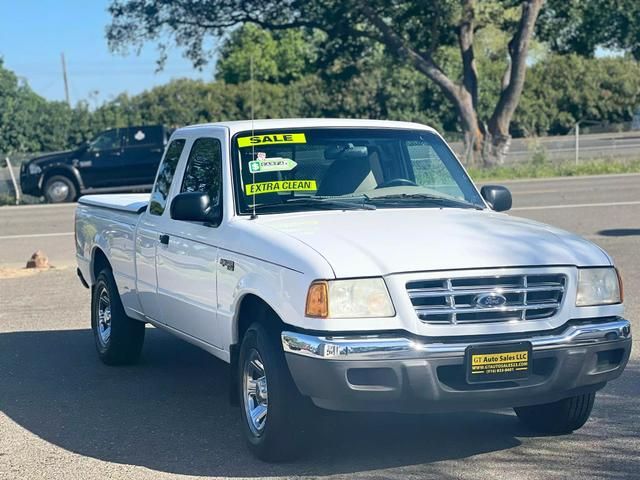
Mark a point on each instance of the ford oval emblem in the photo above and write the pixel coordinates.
(489, 300)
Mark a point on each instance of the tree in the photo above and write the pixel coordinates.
(412, 32)
(278, 57)
(581, 26)
(371, 86)
(564, 89)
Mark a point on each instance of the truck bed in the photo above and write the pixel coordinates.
(108, 223)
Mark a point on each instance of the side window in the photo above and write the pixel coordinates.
(165, 175)
(109, 140)
(204, 169)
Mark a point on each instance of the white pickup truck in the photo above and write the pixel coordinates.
(351, 265)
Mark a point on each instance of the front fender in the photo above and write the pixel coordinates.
(60, 168)
(282, 289)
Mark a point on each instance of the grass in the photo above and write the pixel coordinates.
(7, 199)
(548, 169)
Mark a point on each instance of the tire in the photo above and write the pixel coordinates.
(118, 338)
(560, 417)
(281, 436)
(60, 189)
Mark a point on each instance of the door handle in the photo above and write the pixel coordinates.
(164, 239)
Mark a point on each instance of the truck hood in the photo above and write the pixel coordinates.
(53, 157)
(385, 241)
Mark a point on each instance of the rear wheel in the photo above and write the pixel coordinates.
(60, 189)
(563, 416)
(118, 338)
(272, 410)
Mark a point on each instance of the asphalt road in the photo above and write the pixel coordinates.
(64, 415)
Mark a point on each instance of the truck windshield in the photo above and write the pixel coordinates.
(345, 168)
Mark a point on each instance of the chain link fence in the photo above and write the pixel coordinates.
(586, 141)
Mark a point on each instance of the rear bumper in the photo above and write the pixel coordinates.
(383, 373)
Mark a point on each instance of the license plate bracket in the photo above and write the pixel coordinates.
(498, 363)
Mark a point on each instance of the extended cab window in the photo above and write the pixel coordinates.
(165, 176)
(204, 169)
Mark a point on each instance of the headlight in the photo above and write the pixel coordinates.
(598, 286)
(34, 169)
(360, 298)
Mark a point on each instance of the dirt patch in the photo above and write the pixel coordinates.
(24, 272)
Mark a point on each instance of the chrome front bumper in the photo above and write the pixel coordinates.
(384, 347)
(411, 375)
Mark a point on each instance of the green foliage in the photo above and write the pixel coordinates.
(433, 38)
(544, 170)
(29, 123)
(278, 57)
(562, 90)
(7, 199)
(559, 90)
(581, 26)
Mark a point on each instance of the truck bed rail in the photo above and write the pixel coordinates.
(125, 202)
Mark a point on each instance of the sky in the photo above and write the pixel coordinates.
(33, 34)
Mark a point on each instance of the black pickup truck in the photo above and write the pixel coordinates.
(117, 160)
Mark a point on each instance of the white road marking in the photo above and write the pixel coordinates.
(534, 192)
(578, 205)
(36, 235)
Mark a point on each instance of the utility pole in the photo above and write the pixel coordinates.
(66, 82)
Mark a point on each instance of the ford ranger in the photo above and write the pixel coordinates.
(351, 265)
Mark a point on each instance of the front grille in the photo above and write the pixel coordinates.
(500, 298)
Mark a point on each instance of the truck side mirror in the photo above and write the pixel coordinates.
(497, 196)
(195, 207)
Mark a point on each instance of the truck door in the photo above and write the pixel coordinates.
(141, 154)
(186, 262)
(100, 163)
(149, 231)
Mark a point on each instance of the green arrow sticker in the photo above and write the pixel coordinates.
(275, 164)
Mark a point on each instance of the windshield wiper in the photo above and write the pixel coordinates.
(399, 198)
(323, 202)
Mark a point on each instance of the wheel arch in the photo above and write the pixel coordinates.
(66, 171)
(253, 308)
(99, 261)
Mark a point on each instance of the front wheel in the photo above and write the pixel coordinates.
(560, 417)
(271, 407)
(118, 338)
(60, 189)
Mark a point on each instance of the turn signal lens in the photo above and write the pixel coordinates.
(621, 285)
(317, 300)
